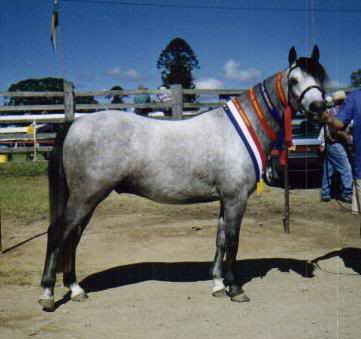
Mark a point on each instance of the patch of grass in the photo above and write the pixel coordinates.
(24, 198)
(24, 190)
(23, 169)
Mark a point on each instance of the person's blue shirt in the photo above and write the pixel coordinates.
(142, 99)
(351, 110)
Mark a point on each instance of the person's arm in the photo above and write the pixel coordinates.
(332, 121)
(343, 117)
(342, 136)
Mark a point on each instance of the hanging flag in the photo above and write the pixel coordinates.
(54, 25)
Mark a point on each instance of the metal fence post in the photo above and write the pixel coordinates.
(177, 101)
(1, 239)
(286, 219)
(68, 101)
(34, 140)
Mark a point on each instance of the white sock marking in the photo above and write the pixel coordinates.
(48, 293)
(75, 290)
(218, 285)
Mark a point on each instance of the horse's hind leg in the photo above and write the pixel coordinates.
(49, 275)
(69, 259)
(58, 234)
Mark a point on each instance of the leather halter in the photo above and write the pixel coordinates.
(298, 100)
(288, 109)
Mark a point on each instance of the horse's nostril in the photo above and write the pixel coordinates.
(318, 106)
(322, 106)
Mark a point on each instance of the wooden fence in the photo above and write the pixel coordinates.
(30, 140)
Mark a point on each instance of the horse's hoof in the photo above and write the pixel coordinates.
(80, 297)
(47, 303)
(236, 294)
(220, 293)
(240, 298)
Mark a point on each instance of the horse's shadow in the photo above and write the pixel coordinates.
(185, 272)
(188, 272)
(247, 269)
(351, 257)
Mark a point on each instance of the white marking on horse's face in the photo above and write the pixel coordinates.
(300, 81)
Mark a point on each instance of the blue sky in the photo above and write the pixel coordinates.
(105, 44)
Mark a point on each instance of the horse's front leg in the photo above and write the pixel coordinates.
(233, 215)
(219, 290)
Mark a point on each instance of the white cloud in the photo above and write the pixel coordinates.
(126, 74)
(232, 71)
(209, 83)
(335, 84)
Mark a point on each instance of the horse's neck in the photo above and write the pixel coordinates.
(270, 85)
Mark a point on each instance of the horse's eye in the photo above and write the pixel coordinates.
(293, 81)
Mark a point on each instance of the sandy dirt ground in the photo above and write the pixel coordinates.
(146, 269)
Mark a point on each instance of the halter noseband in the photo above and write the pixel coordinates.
(302, 95)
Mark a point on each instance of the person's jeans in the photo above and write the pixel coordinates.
(336, 160)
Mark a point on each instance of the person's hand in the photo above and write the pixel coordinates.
(349, 139)
(322, 148)
(327, 117)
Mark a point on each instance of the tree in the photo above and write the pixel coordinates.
(117, 99)
(356, 78)
(41, 85)
(177, 62)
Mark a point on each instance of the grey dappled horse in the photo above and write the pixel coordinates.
(177, 162)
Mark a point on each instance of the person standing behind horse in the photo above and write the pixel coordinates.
(142, 99)
(351, 110)
(165, 98)
(336, 158)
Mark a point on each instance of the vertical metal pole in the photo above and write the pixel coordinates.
(68, 101)
(356, 188)
(1, 239)
(34, 140)
(177, 101)
(286, 219)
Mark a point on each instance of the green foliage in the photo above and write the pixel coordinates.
(356, 78)
(177, 62)
(43, 85)
(117, 99)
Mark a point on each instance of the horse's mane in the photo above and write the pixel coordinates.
(313, 67)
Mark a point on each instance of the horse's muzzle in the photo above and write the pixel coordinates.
(318, 107)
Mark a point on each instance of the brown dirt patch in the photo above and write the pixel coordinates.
(146, 268)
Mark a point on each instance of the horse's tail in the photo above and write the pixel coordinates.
(58, 188)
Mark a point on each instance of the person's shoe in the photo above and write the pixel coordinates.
(325, 199)
(347, 200)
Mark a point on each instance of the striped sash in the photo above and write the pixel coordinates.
(246, 132)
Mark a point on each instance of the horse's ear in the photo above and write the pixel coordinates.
(315, 53)
(292, 56)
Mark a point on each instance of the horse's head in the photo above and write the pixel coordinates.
(306, 79)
